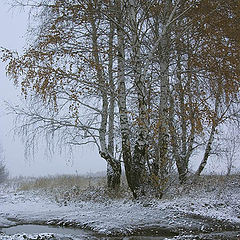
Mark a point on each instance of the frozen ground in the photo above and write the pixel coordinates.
(183, 212)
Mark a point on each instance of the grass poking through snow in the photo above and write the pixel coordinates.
(72, 188)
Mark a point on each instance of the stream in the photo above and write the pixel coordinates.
(65, 233)
(35, 232)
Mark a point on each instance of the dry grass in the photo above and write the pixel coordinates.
(203, 184)
(72, 188)
(60, 182)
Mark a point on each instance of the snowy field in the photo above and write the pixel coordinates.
(184, 213)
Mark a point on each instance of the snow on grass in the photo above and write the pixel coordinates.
(220, 200)
(124, 216)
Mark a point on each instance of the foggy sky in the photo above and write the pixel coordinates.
(13, 27)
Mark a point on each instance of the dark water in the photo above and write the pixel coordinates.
(68, 233)
(63, 233)
(58, 232)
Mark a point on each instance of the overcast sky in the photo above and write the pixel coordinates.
(13, 26)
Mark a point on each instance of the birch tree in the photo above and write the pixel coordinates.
(218, 51)
(64, 67)
(204, 90)
(155, 77)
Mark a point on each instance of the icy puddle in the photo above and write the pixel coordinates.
(35, 229)
(59, 232)
(31, 231)
(43, 232)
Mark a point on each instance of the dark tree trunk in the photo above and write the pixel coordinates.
(129, 170)
(114, 172)
(182, 168)
(122, 106)
(139, 169)
(114, 177)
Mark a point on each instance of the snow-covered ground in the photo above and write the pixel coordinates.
(191, 211)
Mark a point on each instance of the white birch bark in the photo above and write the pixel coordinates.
(102, 86)
(164, 53)
(140, 151)
(122, 103)
(210, 139)
(107, 112)
(113, 170)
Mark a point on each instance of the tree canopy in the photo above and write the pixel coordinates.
(149, 82)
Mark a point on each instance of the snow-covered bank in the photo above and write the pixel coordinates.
(215, 209)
